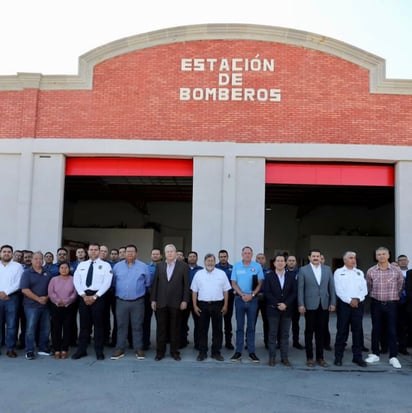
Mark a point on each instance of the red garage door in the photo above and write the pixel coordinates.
(329, 174)
(129, 167)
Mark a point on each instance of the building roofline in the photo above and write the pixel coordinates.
(84, 79)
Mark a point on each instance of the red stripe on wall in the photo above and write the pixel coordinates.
(330, 174)
(128, 167)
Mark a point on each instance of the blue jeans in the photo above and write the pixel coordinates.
(250, 310)
(37, 317)
(8, 312)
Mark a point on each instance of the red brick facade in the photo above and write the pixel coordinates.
(324, 99)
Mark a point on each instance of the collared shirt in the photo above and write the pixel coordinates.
(227, 269)
(37, 283)
(294, 272)
(281, 278)
(10, 276)
(169, 269)
(350, 283)
(210, 286)
(54, 269)
(102, 277)
(130, 281)
(193, 271)
(243, 275)
(384, 285)
(152, 268)
(318, 272)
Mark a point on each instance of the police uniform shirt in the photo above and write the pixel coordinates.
(350, 284)
(102, 277)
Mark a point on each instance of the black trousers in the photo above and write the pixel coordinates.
(402, 326)
(110, 330)
(147, 322)
(348, 316)
(295, 323)
(184, 329)
(227, 318)
(168, 326)
(91, 317)
(210, 311)
(316, 324)
(262, 307)
(61, 326)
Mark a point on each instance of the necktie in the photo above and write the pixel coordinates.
(89, 278)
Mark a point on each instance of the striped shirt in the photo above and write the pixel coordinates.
(384, 284)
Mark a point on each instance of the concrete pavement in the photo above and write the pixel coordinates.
(129, 385)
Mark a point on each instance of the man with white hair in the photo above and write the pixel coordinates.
(351, 290)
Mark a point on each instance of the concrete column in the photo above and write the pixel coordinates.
(10, 172)
(207, 205)
(228, 205)
(250, 205)
(24, 200)
(46, 215)
(403, 208)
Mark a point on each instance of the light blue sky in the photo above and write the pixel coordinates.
(47, 36)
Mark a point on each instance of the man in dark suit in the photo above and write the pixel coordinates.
(316, 296)
(280, 296)
(170, 295)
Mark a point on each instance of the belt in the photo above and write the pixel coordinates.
(211, 302)
(135, 299)
(385, 302)
(90, 292)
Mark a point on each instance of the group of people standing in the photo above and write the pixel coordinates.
(54, 294)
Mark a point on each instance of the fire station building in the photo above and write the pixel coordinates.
(211, 137)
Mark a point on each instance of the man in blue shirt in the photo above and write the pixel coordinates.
(131, 278)
(62, 256)
(247, 279)
(34, 285)
(224, 265)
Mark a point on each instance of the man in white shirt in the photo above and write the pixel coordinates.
(351, 290)
(92, 279)
(10, 275)
(210, 293)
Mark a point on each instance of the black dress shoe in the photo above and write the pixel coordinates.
(218, 357)
(201, 356)
(159, 356)
(78, 355)
(403, 351)
(100, 356)
(338, 362)
(229, 346)
(298, 346)
(360, 362)
(176, 356)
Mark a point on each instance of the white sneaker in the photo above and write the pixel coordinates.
(43, 353)
(394, 362)
(372, 358)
